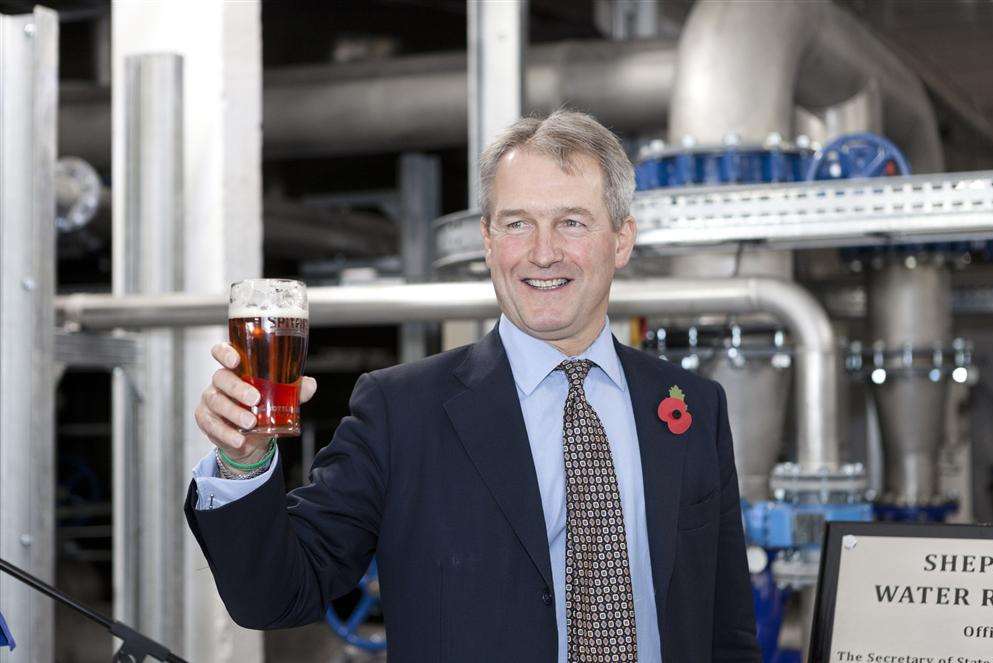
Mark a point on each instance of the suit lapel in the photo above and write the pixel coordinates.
(662, 457)
(488, 420)
(487, 417)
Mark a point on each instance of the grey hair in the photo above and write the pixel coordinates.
(560, 136)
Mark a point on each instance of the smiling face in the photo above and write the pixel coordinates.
(551, 248)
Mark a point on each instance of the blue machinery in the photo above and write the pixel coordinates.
(849, 156)
(784, 534)
(347, 628)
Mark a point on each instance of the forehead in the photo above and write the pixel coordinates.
(535, 182)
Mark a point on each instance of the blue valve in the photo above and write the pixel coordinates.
(858, 155)
(348, 628)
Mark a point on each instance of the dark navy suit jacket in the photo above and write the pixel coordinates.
(432, 473)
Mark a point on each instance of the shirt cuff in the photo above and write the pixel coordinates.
(214, 492)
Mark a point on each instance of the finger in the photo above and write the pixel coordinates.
(218, 432)
(226, 355)
(222, 433)
(219, 404)
(307, 388)
(200, 418)
(232, 385)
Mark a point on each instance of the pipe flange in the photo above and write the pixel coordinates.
(792, 482)
(458, 243)
(742, 345)
(797, 569)
(936, 362)
(738, 357)
(77, 187)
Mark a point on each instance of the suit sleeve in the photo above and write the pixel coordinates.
(278, 559)
(734, 614)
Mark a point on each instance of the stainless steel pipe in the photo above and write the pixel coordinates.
(416, 102)
(815, 354)
(911, 308)
(744, 66)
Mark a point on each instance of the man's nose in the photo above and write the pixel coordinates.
(545, 249)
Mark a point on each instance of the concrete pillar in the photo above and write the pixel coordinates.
(220, 43)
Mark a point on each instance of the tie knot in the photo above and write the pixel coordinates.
(576, 371)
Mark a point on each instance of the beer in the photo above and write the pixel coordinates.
(267, 325)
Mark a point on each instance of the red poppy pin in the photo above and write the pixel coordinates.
(673, 412)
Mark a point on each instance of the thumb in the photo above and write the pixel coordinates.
(307, 388)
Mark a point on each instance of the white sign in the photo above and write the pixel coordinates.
(913, 600)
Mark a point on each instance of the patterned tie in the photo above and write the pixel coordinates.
(598, 596)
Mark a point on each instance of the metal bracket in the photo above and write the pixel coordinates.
(88, 350)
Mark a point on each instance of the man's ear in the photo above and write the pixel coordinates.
(484, 229)
(627, 234)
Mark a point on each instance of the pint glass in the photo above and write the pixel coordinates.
(267, 324)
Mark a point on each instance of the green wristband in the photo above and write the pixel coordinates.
(247, 467)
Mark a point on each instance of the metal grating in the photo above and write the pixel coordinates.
(919, 208)
(816, 214)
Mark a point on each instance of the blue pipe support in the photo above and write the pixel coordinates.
(932, 513)
(770, 605)
(783, 525)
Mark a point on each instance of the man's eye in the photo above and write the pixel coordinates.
(573, 223)
(515, 225)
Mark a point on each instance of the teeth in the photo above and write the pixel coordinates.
(546, 284)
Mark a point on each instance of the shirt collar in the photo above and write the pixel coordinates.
(532, 359)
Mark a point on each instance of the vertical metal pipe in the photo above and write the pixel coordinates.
(125, 399)
(101, 50)
(420, 203)
(28, 102)
(147, 238)
(497, 33)
(628, 19)
(497, 53)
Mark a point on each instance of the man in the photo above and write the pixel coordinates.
(524, 497)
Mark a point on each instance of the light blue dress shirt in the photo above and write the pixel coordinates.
(542, 391)
(213, 491)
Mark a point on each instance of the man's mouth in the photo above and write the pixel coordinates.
(547, 284)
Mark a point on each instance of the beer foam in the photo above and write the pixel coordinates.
(267, 312)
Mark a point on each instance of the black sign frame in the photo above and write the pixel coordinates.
(827, 578)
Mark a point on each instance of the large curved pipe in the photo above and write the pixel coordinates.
(416, 102)
(744, 66)
(815, 355)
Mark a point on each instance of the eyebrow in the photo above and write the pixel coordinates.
(558, 211)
